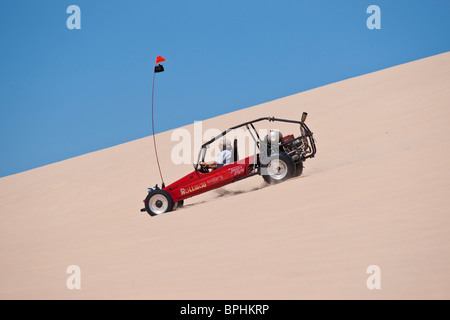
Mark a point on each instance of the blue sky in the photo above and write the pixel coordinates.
(66, 92)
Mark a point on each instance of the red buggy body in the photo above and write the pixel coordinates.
(197, 182)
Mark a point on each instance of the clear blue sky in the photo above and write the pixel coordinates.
(68, 92)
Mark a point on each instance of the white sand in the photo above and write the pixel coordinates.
(377, 193)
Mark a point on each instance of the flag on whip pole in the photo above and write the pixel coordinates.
(159, 59)
(158, 68)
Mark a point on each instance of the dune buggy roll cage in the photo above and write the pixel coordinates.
(306, 136)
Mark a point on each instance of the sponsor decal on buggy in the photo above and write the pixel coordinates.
(237, 170)
(192, 188)
(215, 179)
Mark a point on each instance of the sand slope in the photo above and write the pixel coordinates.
(377, 193)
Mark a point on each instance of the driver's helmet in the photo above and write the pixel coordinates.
(225, 144)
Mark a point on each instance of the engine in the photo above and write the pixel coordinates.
(296, 148)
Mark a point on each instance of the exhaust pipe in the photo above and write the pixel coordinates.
(304, 115)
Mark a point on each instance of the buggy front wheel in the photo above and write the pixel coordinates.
(158, 202)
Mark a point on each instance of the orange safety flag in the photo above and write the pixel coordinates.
(159, 59)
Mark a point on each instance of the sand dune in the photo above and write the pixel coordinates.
(377, 193)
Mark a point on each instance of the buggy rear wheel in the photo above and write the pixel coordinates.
(178, 204)
(280, 168)
(298, 169)
(158, 202)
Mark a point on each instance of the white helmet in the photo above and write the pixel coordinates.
(225, 144)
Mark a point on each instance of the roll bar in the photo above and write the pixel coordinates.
(307, 133)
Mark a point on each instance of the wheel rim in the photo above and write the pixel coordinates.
(277, 169)
(158, 204)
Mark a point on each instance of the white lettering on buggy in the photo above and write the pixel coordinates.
(215, 179)
(193, 188)
(236, 170)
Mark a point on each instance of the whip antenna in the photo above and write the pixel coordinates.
(158, 68)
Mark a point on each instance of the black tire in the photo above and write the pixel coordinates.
(178, 204)
(299, 169)
(284, 171)
(154, 207)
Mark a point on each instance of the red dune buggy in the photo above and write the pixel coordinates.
(276, 158)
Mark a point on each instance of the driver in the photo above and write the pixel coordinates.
(223, 158)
